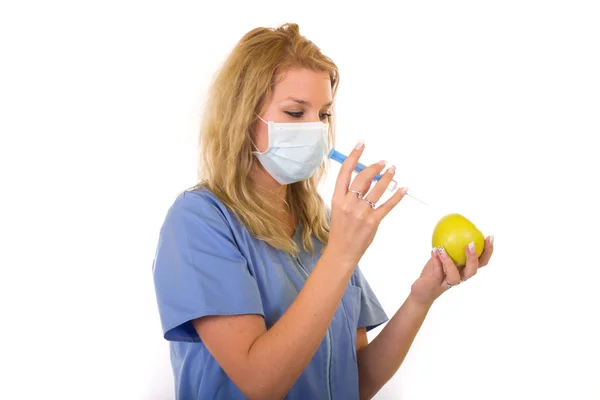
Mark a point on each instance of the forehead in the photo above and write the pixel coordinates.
(304, 84)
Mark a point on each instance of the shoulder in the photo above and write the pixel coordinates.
(197, 212)
(197, 199)
(199, 203)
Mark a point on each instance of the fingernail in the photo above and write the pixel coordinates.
(492, 239)
(442, 251)
(472, 247)
(359, 145)
(391, 170)
(434, 251)
(403, 191)
(382, 163)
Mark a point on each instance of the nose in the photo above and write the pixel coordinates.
(314, 116)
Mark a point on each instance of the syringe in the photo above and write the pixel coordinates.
(339, 157)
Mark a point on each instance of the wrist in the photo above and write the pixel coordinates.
(342, 259)
(424, 304)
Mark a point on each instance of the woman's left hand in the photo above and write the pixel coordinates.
(440, 273)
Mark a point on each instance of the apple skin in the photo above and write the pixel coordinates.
(454, 232)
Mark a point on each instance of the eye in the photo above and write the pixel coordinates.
(299, 114)
(294, 114)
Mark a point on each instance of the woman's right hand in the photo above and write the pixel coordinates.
(354, 222)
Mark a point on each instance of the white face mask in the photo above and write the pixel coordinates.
(296, 150)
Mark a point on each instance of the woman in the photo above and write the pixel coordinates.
(257, 282)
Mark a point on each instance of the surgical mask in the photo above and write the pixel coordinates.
(296, 150)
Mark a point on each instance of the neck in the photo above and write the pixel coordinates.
(276, 192)
(277, 196)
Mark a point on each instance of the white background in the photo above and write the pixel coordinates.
(490, 109)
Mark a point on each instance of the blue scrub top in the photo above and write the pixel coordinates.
(207, 263)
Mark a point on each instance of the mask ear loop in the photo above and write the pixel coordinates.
(250, 137)
(262, 119)
(255, 146)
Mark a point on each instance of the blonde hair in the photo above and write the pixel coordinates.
(238, 94)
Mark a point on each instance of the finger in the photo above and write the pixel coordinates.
(390, 203)
(363, 190)
(437, 268)
(450, 270)
(365, 177)
(488, 249)
(381, 186)
(472, 264)
(345, 175)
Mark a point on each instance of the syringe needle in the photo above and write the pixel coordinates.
(420, 201)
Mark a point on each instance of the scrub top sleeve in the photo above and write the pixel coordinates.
(198, 269)
(372, 313)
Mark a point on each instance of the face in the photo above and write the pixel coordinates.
(303, 95)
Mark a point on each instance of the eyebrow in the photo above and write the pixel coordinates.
(304, 102)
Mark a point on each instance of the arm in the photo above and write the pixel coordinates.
(361, 339)
(264, 364)
(379, 360)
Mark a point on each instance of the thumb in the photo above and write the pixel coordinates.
(437, 267)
